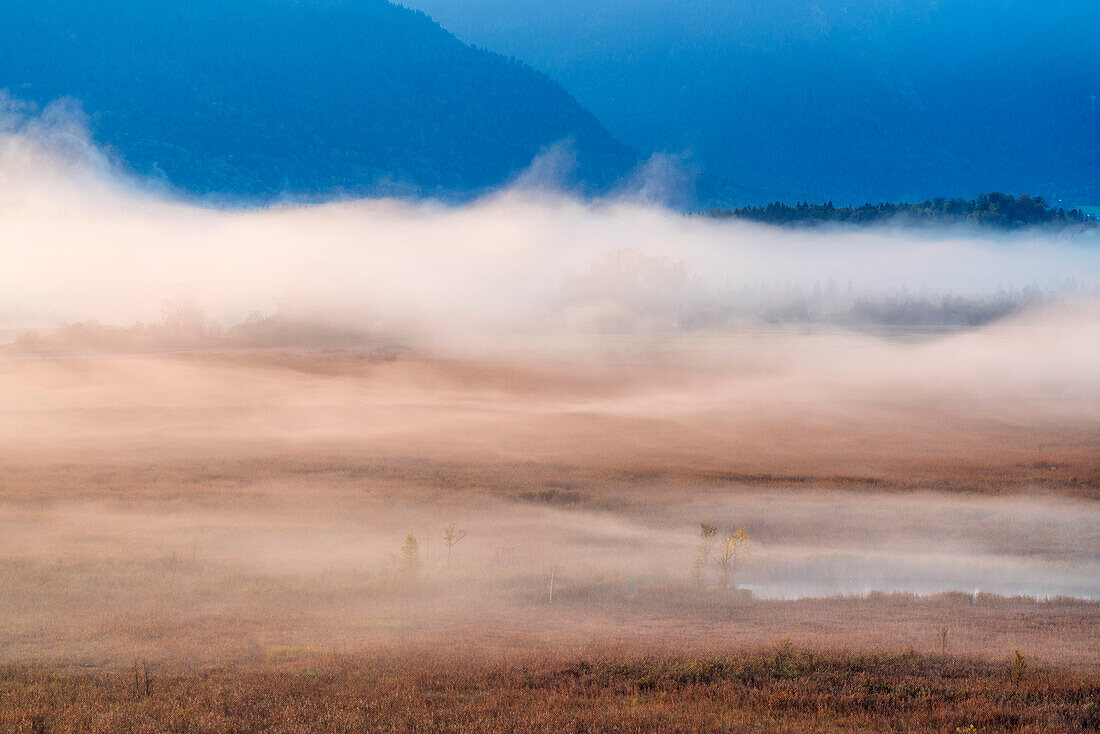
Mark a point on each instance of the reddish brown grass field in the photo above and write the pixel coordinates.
(234, 522)
(458, 690)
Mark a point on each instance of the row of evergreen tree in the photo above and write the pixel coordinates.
(993, 209)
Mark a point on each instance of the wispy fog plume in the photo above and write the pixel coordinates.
(82, 243)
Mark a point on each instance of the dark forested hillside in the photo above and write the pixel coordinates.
(994, 210)
(258, 98)
(850, 100)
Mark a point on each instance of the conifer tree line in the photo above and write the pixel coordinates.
(993, 210)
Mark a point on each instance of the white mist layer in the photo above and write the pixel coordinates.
(80, 243)
(806, 543)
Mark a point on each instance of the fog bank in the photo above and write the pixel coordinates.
(84, 243)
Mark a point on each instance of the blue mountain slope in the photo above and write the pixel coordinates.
(259, 98)
(850, 100)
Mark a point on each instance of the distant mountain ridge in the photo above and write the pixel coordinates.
(849, 100)
(263, 98)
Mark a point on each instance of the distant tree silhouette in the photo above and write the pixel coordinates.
(409, 561)
(994, 209)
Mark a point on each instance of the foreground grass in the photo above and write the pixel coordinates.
(774, 690)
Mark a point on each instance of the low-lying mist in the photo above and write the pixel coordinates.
(223, 424)
(83, 243)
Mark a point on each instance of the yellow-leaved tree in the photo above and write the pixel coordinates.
(730, 554)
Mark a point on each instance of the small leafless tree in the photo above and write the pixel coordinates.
(708, 535)
(452, 537)
(143, 682)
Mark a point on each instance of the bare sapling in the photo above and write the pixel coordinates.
(143, 682)
(452, 537)
(708, 535)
